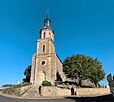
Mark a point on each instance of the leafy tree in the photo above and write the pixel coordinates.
(83, 67)
(27, 73)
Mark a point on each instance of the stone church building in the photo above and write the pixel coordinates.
(46, 65)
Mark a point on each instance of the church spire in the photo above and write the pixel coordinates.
(47, 21)
(47, 14)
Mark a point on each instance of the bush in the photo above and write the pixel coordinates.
(46, 83)
(12, 91)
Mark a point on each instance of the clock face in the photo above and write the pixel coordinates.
(43, 63)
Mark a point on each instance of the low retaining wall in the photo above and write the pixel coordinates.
(93, 91)
(55, 91)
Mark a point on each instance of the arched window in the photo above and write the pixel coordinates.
(43, 48)
(44, 35)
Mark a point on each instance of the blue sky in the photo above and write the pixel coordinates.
(81, 27)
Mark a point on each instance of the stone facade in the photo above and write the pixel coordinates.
(46, 65)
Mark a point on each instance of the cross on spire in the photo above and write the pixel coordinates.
(47, 21)
(47, 14)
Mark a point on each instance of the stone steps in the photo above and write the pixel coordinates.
(32, 92)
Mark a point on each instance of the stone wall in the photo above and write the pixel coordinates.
(93, 91)
(55, 91)
(59, 68)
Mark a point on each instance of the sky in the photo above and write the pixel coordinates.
(80, 26)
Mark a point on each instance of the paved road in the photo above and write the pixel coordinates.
(107, 98)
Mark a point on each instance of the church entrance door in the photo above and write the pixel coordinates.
(42, 77)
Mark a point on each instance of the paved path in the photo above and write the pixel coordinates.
(106, 98)
(7, 99)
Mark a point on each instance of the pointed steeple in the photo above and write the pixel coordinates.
(47, 14)
(47, 21)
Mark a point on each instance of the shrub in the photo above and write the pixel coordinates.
(12, 91)
(8, 91)
(46, 83)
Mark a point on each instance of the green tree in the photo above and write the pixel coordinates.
(27, 74)
(83, 67)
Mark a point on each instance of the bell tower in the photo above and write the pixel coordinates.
(45, 62)
(45, 44)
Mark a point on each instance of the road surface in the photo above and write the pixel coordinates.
(106, 98)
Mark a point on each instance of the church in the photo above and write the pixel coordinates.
(46, 65)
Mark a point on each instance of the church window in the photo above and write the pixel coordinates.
(44, 35)
(43, 48)
(43, 63)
